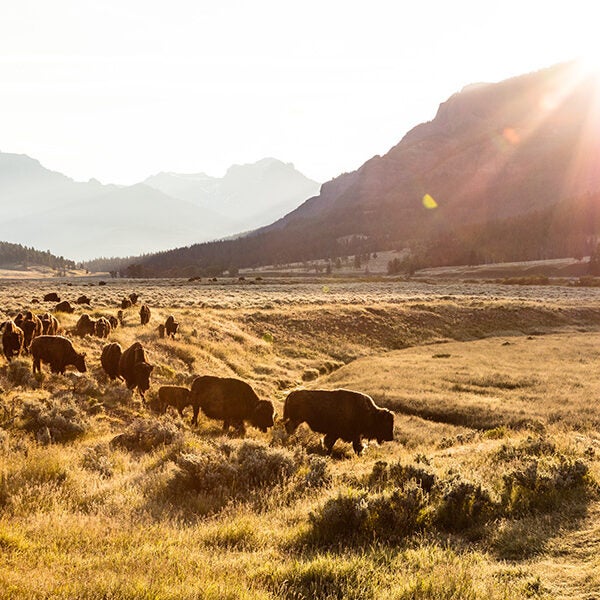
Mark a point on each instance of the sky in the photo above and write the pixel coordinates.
(119, 90)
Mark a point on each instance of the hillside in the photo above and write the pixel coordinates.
(510, 168)
(248, 195)
(43, 208)
(15, 258)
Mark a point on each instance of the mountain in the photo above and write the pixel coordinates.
(505, 171)
(46, 209)
(256, 193)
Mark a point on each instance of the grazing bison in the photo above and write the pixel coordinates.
(172, 395)
(230, 400)
(12, 340)
(58, 352)
(64, 306)
(83, 300)
(343, 414)
(161, 331)
(32, 327)
(145, 314)
(171, 326)
(125, 303)
(50, 324)
(114, 322)
(52, 297)
(85, 325)
(134, 369)
(109, 359)
(133, 297)
(102, 327)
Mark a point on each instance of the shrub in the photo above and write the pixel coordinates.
(54, 420)
(541, 486)
(148, 433)
(463, 505)
(235, 467)
(359, 517)
(98, 458)
(19, 372)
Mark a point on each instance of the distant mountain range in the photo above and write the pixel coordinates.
(505, 171)
(79, 220)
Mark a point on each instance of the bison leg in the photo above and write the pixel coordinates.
(37, 367)
(329, 441)
(196, 408)
(240, 427)
(357, 445)
(291, 426)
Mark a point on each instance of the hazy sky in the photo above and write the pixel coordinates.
(122, 89)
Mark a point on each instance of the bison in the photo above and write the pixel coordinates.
(102, 327)
(343, 414)
(172, 395)
(64, 306)
(134, 369)
(230, 400)
(52, 297)
(50, 324)
(120, 317)
(83, 300)
(145, 314)
(58, 352)
(133, 297)
(109, 359)
(171, 326)
(125, 303)
(114, 322)
(161, 331)
(12, 340)
(32, 327)
(85, 325)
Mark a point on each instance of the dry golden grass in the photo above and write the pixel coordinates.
(188, 513)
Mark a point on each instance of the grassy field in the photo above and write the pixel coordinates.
(489, 490)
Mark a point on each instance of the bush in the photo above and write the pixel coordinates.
(234, 468)
(463, 505)
(358, 517)
(54, 420)
(19, 372)
(98, 459)
(146, 434)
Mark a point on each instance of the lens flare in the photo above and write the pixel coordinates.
(428, 202)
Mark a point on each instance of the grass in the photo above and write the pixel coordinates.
(489, 490)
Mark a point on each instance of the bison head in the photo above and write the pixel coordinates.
(262, 417)
(79, 362)
(142, 376)
(383, 425)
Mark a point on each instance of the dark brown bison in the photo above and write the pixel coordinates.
(12, 340)
(145, 314)
(171, 326)
(83, 300)
(134, 369)
(114, 322)
(109, 359)
(125, 303)
(50, 324)
(134, 297)
(102, 327)
(64, 306)
(85, 325)
(52, 297)
(230, 400)
(58, 352)
(32, 327)
(342, 414)
(172, 395)
(120, 317)
(161, 331)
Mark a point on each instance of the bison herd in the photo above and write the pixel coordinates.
(338, 414)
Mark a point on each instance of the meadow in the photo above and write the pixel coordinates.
(489, 489)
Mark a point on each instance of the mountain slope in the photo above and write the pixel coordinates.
(255, 194)
(517, 160)
(120, 222)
